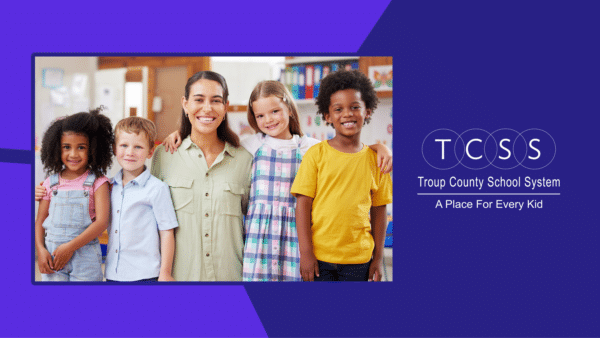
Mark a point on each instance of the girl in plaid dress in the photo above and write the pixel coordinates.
(271, 249)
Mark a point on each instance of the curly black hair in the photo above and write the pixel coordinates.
(92, 124)
(346, 79)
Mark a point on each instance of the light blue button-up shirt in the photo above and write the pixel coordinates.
(138, 211)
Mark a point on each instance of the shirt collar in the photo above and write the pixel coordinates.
(187, 144)
(141, 179)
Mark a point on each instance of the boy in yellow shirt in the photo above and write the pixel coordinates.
(338, 184)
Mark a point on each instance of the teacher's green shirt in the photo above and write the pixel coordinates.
(210, 204)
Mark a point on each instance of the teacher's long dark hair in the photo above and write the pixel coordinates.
(224, 133)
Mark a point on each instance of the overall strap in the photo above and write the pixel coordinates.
(53, 180)
(89, 181)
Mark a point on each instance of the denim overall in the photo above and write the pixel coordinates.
(68, 217)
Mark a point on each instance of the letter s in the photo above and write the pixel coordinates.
(508, 151)
(534, 148)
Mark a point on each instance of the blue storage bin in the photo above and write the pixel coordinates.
(104, 248)
(389, 239)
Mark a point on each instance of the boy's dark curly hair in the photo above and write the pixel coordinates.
(98, 130)
(346, 79)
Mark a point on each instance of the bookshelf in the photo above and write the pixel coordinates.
(302, 74)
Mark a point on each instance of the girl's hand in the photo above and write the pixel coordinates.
(375, 270)
(384, 160)
(309, 267)
(172, 142)
(45, 263)
(40, 191)
(62, 255)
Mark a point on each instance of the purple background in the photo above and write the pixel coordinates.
(459, 65)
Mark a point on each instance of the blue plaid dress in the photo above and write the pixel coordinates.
(271, 250)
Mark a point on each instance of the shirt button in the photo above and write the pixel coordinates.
(206, 174)
(118, 211)
(200, 155)
(116, 231)
(205, 235)
(206, 194)
(116, 250)
(207, 254)
(206, 214)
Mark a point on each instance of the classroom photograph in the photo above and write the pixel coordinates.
(154, 169)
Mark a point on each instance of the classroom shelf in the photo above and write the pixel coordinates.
(297, 77)
(317, 59)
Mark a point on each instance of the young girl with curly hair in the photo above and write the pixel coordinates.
(76, 152)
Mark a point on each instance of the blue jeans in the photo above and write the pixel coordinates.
(343, 272)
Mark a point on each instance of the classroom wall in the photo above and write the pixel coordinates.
(61, 100)
(242, 78)
(65, 99)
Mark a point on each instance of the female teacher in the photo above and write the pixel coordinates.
(209, 177)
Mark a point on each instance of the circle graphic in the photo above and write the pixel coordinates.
(437, 149)
(541, 149)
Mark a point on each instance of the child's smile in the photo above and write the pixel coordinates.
(74, 154)
(347, 112)
(272, 117)
(132, 150)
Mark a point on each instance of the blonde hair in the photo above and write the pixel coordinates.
(136, 125)
(277, 89)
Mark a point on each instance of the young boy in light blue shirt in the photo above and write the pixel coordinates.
(141, 241)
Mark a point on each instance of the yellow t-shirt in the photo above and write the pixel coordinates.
(344, 187)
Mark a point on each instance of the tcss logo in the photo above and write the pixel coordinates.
(476, 149)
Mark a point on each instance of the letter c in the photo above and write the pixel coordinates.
(467, 149)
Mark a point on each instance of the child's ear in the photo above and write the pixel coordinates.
(327, 118)
(368, 116)
(151, 152)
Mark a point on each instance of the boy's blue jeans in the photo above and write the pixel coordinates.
(343, 272)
